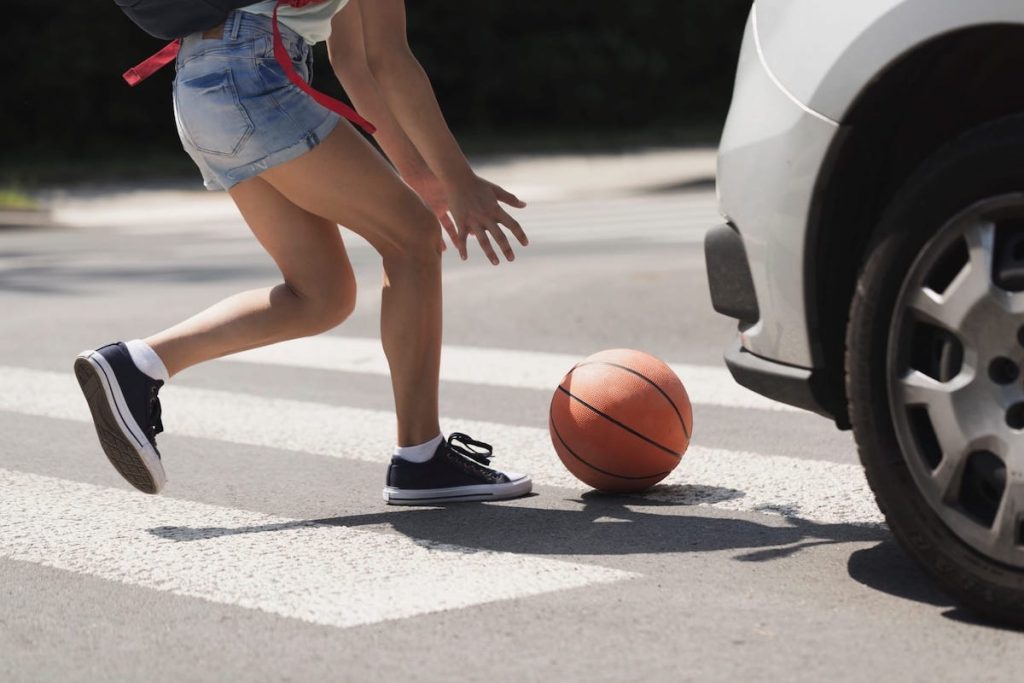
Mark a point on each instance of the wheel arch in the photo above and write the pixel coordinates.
(926, 98)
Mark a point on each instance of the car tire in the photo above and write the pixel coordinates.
(981, 170)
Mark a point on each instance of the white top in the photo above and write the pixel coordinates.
(312, 22)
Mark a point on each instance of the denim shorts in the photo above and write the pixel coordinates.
(236, 111)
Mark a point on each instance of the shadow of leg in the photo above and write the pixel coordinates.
(886, 568)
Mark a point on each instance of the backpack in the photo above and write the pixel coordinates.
(175, 19)
(169, 19)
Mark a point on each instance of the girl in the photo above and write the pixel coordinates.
(297, 171)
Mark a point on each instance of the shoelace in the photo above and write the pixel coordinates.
(471, 448)
(155, 424)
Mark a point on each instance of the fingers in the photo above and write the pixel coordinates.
(486, 225)
(513, 226)
(462, 233)
(453, 235)
(485, 244)
(487, 231)
(507, 197)
(499, 236)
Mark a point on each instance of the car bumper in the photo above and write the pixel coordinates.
(770, 155)
(784, 383)
(732, 294)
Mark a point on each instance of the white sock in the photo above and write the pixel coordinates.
(145, 359)
(420, 453)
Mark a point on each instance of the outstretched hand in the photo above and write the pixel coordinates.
(475, 208)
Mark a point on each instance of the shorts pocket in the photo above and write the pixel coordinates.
(211, 114)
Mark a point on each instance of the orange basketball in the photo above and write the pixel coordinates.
(620, 420)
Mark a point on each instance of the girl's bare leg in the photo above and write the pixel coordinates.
(346, 181)
(318, 291)
(294, 210)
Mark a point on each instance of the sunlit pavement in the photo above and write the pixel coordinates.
(271, 555)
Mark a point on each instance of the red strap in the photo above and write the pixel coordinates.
(137, 74)
(285, 60)
(150, 66)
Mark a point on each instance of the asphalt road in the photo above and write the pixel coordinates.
(271, 555)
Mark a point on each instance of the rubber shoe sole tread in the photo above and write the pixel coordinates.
(458, 494)
(111, 428)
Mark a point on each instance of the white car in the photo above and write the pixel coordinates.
(871, 174)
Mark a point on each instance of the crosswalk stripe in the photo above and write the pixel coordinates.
(492, 367)
(660, 235)
(319, 573)
(818, 491)
(670, 218)
(212, 210)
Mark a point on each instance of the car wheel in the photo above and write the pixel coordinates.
(935, 368)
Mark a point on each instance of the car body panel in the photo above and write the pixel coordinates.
(825, 52)
(769, 157)
(802, 66)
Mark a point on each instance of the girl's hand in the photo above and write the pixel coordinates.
(432, 192)
(475, 208)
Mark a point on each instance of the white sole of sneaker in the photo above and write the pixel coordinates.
(123, 441)
(458, 494)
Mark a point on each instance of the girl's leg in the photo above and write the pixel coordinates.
(294, 210)
(343, 180)
(318, 291)
(346, 181)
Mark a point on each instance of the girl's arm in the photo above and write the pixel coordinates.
(348, 58)
(400, 83)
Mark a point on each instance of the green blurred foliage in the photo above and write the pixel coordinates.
(532, 66)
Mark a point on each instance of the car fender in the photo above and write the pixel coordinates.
(823, 53)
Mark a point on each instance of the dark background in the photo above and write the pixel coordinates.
(530, 75)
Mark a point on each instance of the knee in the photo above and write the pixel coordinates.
(418, 243)
(339, 305)
(328, 305)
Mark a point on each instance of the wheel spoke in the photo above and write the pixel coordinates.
(981, 243)
(1007, 526)
(953, 441)
(932, 308)
(948, 475)
(972, 283)
(918, 388)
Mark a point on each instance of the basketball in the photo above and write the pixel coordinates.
(620, 420)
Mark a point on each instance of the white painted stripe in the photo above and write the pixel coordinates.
(641, 210)
(492, 367)
(813, 490)
(323, 574)
(186, 210)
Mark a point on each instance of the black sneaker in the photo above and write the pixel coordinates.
(458, 472)
(126, 411)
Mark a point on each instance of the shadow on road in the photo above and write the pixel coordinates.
(606, 525)
(888, 569)
(629, 525)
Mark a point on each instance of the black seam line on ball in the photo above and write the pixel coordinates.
(613, 420)
(551, 418)
(668, 398)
